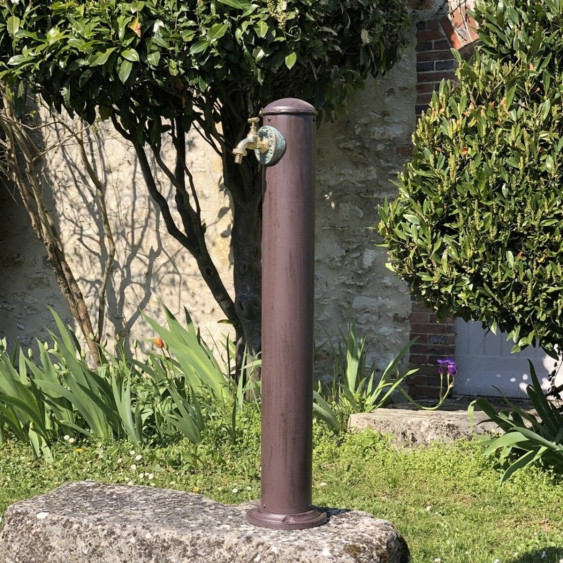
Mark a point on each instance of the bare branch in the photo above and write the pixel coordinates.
(108, 233)
(20, 165)
(160, 200)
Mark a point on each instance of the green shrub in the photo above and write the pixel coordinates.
(477, 227)
(527, 437)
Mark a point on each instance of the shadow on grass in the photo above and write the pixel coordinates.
(542, 555)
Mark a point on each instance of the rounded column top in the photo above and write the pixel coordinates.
(289, 105)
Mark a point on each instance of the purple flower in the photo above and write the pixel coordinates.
(447, 365)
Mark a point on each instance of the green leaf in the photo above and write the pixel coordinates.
(131, 55)
(13, 25)
(325, 412)
(154, 58)
(125, 71)
(18, 60)
(84, 77)
(217, 31)
(262, 29)
(105, 112)
(100, 59)
(290, 60)
(527, 459)
(199, 47)
(239, 4)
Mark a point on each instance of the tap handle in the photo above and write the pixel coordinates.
(253, 123)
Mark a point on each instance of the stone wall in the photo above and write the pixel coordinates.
(27, 284)
(357, 157)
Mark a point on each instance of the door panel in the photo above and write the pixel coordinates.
(484, 362)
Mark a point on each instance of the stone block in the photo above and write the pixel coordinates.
(420, 428)
(93, 523)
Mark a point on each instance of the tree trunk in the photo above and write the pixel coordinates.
(246, 235)
(244, 182)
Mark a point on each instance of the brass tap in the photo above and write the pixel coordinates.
(252, 142)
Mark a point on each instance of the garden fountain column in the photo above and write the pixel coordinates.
(287, 322)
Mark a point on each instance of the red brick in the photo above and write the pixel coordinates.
(420, 317)
(435, 76)
(431, 328)
(424, 56)
(440, 44)
(445, 65)
(456, 17)
(429, 35)
(420, 338)
(433, 352)
(425, 46)
(450, 33)
(426, 87)
(433, 381)
(428, 66)
(420, 307)
(473, 28)
(432, 24)
(443, 339)
(427, 370)
(418, 359)
(419, 380)
(426, 392)
(423, 99)
(404, 151)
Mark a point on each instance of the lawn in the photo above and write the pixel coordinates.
(447, 501)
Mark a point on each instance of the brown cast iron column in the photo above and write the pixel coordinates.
(287, 324)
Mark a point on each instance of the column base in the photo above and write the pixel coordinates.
(300, 521)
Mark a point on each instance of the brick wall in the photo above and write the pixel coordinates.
(434, 63)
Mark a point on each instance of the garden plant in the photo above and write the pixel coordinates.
(476, 229)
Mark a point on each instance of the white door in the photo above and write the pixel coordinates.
(484, 362)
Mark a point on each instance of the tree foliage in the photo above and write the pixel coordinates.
(146, 62)
(477, 227)
(161, 68)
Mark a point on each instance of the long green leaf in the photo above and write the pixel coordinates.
(324, 411)
(183, 343)
(506, 440)
(33, 415)
(14, 423)
(239, 4)
(544, 409)
(527, 459)
(122, 397)
(188, 420)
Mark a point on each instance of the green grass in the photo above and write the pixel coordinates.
(446, 500)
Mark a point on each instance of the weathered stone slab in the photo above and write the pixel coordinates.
(420, 428)
(94, 523)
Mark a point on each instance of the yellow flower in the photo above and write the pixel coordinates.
(135, 27)
(78, 450)
(195, 490)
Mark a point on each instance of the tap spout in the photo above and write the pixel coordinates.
(252, 141)
(249, 143)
